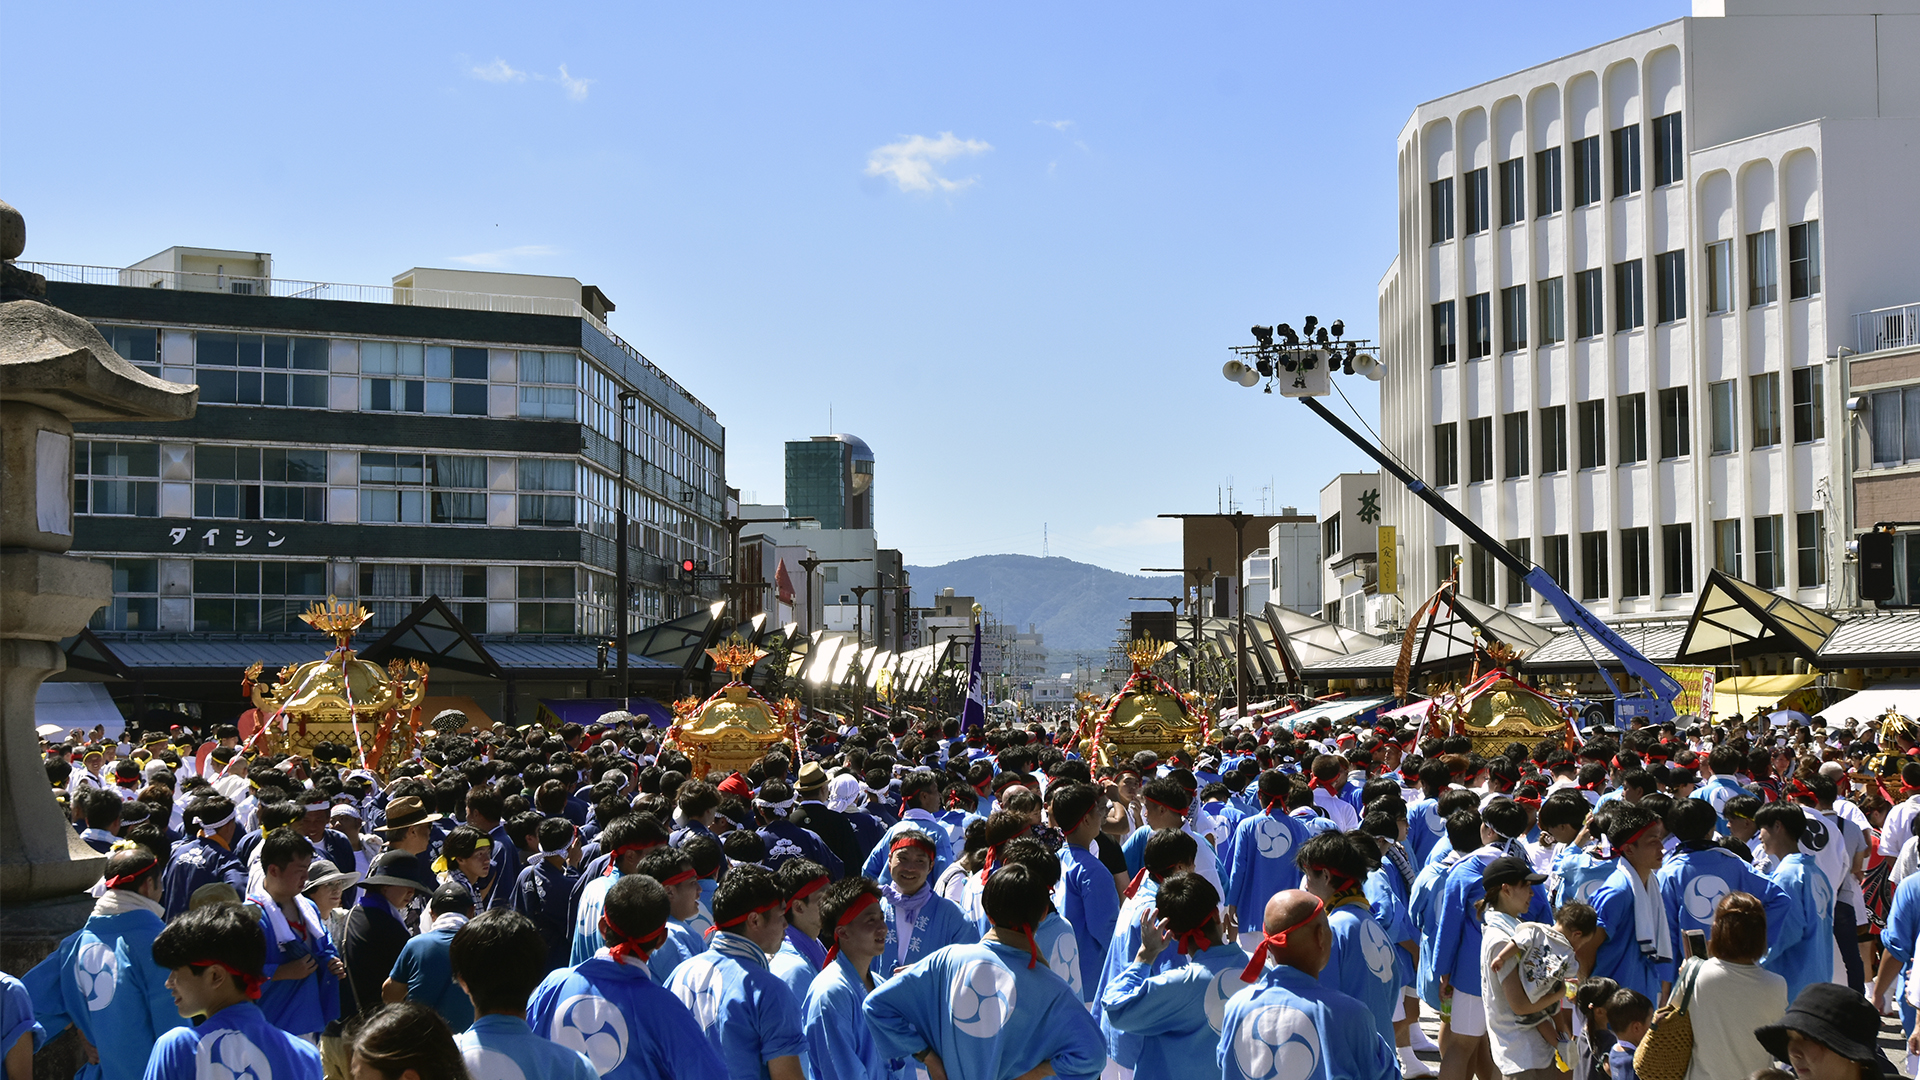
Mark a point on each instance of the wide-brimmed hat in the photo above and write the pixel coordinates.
(405, 812)
(323, 872)
(812, 777)
(1834, 1016)
(400, 868)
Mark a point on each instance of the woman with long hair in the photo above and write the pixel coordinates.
(406, 1041)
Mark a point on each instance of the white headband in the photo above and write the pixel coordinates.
(208, 828)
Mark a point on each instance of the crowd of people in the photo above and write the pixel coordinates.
(902, 899)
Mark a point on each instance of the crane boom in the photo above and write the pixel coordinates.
(1655, 704)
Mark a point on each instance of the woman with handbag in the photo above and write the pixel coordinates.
(1731, 994)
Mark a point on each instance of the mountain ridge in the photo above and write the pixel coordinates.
(1076, 606)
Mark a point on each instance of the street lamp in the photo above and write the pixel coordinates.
(810, 564)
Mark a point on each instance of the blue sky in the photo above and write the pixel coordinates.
(1007, 244)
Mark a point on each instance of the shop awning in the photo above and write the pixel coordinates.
(1745, 693)
(587, 711)
(1735, 619)
(1870, 704)
(1334, 711)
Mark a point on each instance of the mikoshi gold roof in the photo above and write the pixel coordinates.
(736, 726)
(341, 698)
(1499, 708)
(1147, 713)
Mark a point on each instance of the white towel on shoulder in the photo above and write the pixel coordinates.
(1649, 918)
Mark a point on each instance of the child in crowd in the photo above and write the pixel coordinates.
(1595, 1038)
(1629, 1013)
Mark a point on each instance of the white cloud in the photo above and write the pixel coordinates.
(576, 88)
(912, 163)
(497, 71)
(501, 259)
(1057, 125)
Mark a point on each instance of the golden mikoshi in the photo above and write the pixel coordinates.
(1147, 713)
(340, 698)
(736, 726)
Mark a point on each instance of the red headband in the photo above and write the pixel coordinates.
(638, 948)
(808, 889)
(1164, 806)
(860, 904)
(613, 857)
(1637, 835)
(685, 875)
(745, 915)
(1134, 885)
(249, 984)
(1033, 945)
(125, 880)
(1195, 940)
(1271, 942)
(919, 840)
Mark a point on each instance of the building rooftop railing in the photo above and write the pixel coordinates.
(1887, 328)
(291, 289)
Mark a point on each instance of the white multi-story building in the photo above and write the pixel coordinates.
(1624, 282)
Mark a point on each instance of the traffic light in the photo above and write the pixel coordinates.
(686, 573)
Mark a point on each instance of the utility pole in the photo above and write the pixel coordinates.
(810, 564)
(1239, 520)
(1193, 614)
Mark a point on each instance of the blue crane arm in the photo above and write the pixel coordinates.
(1665, 688)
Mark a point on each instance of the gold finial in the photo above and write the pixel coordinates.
(337, 617)
(1145, 652)
(736, 656)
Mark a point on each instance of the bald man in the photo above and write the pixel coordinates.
(1288, 1013)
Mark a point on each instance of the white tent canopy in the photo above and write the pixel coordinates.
(77, 705)
(1870, 704)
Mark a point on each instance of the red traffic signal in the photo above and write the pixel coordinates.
(686, 566)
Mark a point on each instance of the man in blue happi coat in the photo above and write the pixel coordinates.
(839, 1044)
(1174, 1012)
(303, 968)
(1698, 872)
(499, 959)
(747, 1013)
(1289, 1015)
(920, 793)
(206, 858)
(214, 955)
(1168, 852)
(1087, 897)
(1724, 761)
(1633, 945)
(675, 873)
(609, 1007)
(626, 840)
(1334, 867)
(1263, 850)
(990, 1011)
(1803, 953)
(102, 978)
(919, 921)
(546, 885)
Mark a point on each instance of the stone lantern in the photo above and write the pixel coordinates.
(55, 369)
